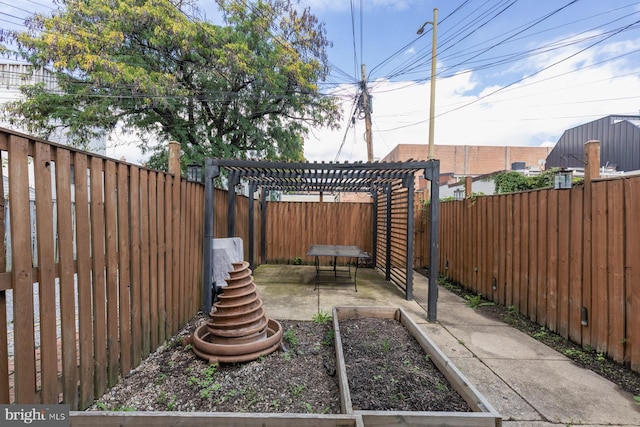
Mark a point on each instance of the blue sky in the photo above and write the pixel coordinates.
(509, 72)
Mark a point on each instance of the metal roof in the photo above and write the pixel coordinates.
(321, 177)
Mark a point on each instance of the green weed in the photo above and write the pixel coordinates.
(475, 301)
(322, 317)
(290, 338)
(328, 339)
(296, 389)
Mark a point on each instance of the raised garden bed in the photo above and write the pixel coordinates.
(480, 412)
(312, 343)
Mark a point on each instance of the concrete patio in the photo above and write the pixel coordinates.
(528, 383)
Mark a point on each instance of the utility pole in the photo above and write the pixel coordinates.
(366, 106)
(432, 102)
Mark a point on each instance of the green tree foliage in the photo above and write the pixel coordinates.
(247, 88)
(511, 182)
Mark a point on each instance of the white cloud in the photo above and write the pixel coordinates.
(533, 112)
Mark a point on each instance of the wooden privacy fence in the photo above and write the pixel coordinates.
(118, 268)
(568, 259)
(292, 227)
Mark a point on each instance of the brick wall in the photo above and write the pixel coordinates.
(470, 160)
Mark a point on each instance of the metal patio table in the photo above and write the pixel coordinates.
(335, 273)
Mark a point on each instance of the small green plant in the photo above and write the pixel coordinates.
(161, 379)
(290, 338)
(321, 317)
(386, 346)
(377, 377)
(328, 339)
(171, 405)
(541, 333)
(308, 407)
(275, 405)
(287, 356)
(441, 387)
(636, 399)
(296, 389)
(188, 347)
(475, 301)
(297, 261)
(600, 357)
(427, 358)
(101, 406)
(572, 352)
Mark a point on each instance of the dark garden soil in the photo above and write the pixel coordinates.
(391, 372)
(387, 370)
(588, 358)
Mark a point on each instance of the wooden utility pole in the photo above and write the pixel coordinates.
(366, 107)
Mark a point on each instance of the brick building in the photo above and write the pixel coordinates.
(471, 160)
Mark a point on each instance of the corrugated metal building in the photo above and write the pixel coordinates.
(619, 138)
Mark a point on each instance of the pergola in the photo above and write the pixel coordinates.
(379, 179)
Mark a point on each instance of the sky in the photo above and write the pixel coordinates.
(508, 72)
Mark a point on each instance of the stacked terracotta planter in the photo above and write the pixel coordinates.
(239, 330)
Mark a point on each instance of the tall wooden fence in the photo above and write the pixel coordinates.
(118, 265)
(292, 227)
(568, 259)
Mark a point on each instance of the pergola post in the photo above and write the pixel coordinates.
(432, 173)
(387, 275)
(263, 224)
(374, 249)
(252, 189)
(231, 213)
(408, 182)
(211, 171)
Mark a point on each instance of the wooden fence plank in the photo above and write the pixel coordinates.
(541, 295)
(188, 241)
(551, 299)
(484, 245)
(67, 286)
(153, 259)
(587, 245)
(502, 244)
(23, 311)
(97, 223)
(113, 306)
(47, 274)
(632, 271)
(137, 341)
(124, 262)
(576, 237)
(509, 240)
(183, 229)
(168, 251)
(615, 261)
(478, 248)
(525, 238)
(175, 225)
(145, 285)
(162, 309)
(496, 250)
(516, 276)
(599, 289)
(532, 300)
(564, 241)
(83, 245)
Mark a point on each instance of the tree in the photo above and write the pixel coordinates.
(511, 181)
(244, 89)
